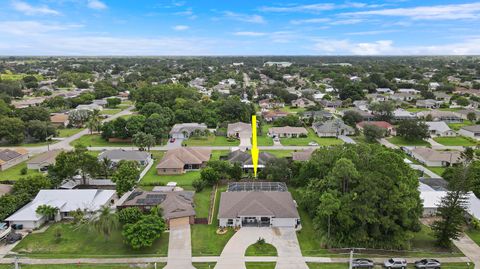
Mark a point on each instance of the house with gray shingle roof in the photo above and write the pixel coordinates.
(117, 155)
(470, 131)
(185, 130)
(332, 128)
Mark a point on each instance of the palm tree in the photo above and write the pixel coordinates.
(49, 212)
(106, 166)
(95, 122)
(106, 222)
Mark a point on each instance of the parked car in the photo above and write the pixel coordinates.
(395, 263)
(313, 144)
(362, 263)
(172, 140)
(13, 237)
(428, 264)
(276, 139)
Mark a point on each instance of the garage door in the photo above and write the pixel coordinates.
(179, 222)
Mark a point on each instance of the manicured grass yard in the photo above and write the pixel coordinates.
(68, 132)
(82, 242)
(312, 265)
(202, 202)
(415, 109)
(211, 140)
(437, 170)
(110, 111)
(260, 265)
(475, 235)
(264, 139)
(400, 141)
(96, 140)
(83, 266)
(312, 137)
(457, 126)
(204, 265)
(279, 153)
(13, 173)
(261, 249)
(456, 141)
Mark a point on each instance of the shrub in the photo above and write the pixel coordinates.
(129, 215)
(198, 184)
(23, 171)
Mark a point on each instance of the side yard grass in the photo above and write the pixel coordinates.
(261, 249)
(68, 132)
(260, 265)
(400, 141)
(110, 111)
(458, 126)
(95, 140)
(14, 173)
(474, 235)
(456, 141)
(437, 170)
(83, 242)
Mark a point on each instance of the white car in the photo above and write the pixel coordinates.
(313, 144)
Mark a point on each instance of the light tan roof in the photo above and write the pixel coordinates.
(59, 118)
(239, 127)
(429, 154)
(257, 203)
(177, 158)
(9, 154)
(288, 130)
(46, 157)
(304, 155)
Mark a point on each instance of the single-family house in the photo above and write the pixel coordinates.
(278, 64)
(441, 96)
(89, 107)
(59, 119)
(401, 114)
(464, 113)
(436, 158)
(258, 208)
(332, 128)
(175, 205)
(403, 96)
(431, 200)
(117, 155)
(439, 128)
(67, 201)
(303, 155)
(366, 115)
(272, 115)
(270, 104)
(316, 115)
(361, 104)
(43, 160)
(410, 91)
(389, 129)
(470, 131)
(185, 130)
(287, 131)
(385, 90)
(428, 103)
(100, 102)
(302, 102)
(12, 157)
(439, 115)
(245, 159)
(181, 160)
(331, 104)
(239, 130)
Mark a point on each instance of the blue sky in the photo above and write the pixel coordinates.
(230, 27)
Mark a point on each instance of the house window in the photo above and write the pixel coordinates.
(230, 222)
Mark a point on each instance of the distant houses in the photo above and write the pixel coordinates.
(287, 131)
(180, 160)
(43, 160)
(302, 103)
(118, 155)
(387, 127)
(59, 119)
(439, 129)
(470, 131)
(185, 130)
(272, 115)
(435, 158)
(332, 128)
(239, 129)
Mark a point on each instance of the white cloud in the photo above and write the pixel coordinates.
(181, 27)
(30, 28)
(244, 17)
(375, 32)
(249, 33)
(310, 21)
(315, 8)
(28, 9)
(346, 22)
(96, 4)
(438, 12)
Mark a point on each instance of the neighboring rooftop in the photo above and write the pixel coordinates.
(256, 186)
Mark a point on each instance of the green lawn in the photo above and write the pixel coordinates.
(261, 249)
(423, 244)
(211, 140)
(18, 76)
(457, 126)
(110, 111)
(13, 173)
(68, 132)
(475, 235)
(437, 170)
(202, 202)
(84, 266)
(83, 242)
(415, 109)
(205, 240)
(204, 265)
(260, 265)
(312, 137)
(279, 153)
(264, 139)
(96, 140)
(400, 141)
(312, 265)
(456, 141)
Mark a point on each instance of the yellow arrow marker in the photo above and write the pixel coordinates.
(254, 150)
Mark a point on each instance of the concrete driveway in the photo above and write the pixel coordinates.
(179, 245)
(284, 239)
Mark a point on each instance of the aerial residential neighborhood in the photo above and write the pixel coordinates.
(239, 135)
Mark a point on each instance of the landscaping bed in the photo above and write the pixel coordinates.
(261, 249)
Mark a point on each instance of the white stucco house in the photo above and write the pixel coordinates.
(439, 128)
(66, 201)
(470, 131)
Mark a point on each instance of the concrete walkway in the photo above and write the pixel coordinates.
(347, 139)
(283, 239)
(179, 247)
(424, 170)
(387, 143)
(469, 248)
